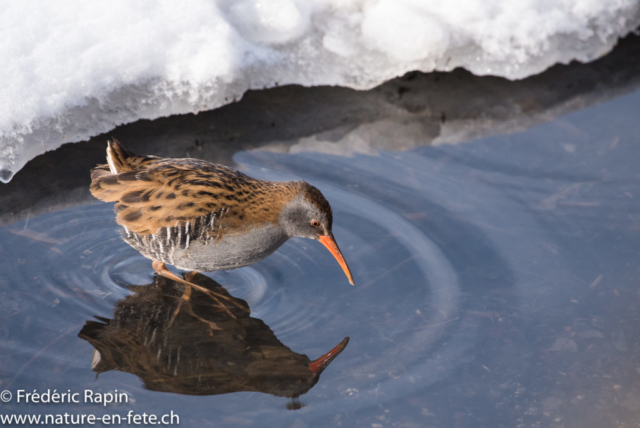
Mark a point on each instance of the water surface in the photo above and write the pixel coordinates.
(496, 286)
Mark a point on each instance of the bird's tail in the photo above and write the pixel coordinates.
(124, 172)
(121, 160)
(118, 157)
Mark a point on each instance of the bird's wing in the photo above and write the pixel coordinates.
(173, 192)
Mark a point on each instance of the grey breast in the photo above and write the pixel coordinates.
(190, 247)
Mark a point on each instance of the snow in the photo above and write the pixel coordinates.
(73, 69)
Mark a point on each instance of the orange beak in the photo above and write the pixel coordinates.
(329, 242)
(321, 363)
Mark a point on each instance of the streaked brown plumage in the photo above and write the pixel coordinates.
(152, 193)
(201, 216)
(202, 351)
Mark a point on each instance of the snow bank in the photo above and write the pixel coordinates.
(73, 69)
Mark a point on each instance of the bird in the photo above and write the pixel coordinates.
(201, 217)
(188, 355)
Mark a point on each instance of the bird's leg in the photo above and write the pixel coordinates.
(186, 295)
(189, 277)
(162, 270)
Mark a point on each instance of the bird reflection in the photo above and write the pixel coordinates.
(192, 346)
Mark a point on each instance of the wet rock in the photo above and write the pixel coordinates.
(564, 344)
(631, 403)
(620, 341)
(591, 334)
(552, 403)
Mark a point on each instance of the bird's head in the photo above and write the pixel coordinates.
(308, 215)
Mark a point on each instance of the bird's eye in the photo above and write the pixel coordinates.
(315, 223)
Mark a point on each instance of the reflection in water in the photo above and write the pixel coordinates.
(497, 288)
(195, 347)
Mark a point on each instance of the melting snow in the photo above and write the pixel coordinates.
(73, 69)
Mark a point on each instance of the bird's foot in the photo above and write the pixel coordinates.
(185, 300)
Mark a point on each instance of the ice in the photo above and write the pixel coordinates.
(73, 69)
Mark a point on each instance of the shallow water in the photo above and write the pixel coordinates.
(496, 286)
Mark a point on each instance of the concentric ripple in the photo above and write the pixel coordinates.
(405, 314)
(407, 290)
(494, 286)
(410, 317)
